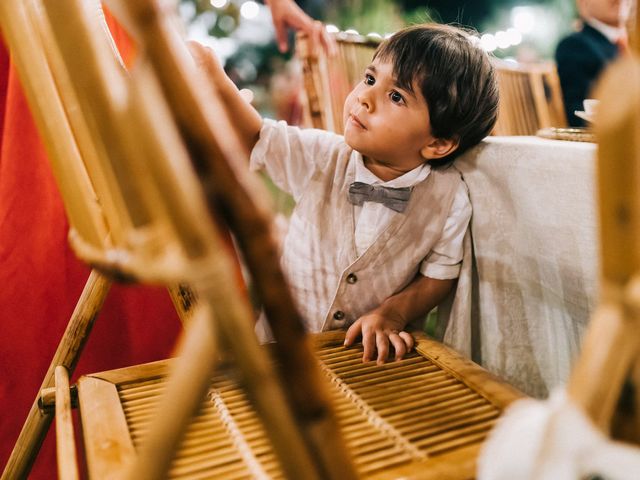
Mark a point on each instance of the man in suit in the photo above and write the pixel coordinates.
(582, 56)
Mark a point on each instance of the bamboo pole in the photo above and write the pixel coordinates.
(201, 118)
(66, 448)
(612, 343)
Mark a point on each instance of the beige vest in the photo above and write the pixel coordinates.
(330, 283)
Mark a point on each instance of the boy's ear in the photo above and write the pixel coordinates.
(438, 148)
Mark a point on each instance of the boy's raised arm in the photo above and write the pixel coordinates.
(246, 120)
(385, 324)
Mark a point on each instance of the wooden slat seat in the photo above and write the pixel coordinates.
(401, 416)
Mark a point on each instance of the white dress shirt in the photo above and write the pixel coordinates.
(371, 218)
(308, 149)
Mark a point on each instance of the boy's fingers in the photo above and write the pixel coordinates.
(352, 333)
(398, 345)
(369, 344)
(382, 343)
(408, 340)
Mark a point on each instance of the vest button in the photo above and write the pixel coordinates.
(352, 278)
(338, 315)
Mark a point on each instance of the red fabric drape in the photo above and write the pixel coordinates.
(41, 280)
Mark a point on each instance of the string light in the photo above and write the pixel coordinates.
(249, 10)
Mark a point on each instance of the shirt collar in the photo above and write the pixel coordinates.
(612, 33)
(409, 179)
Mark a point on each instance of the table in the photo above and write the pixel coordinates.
(535, 241)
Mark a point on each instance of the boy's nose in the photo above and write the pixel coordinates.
(365, 100)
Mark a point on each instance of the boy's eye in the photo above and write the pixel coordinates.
(369, 80)
(396, 97)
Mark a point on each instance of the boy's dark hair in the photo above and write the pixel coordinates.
(456, 79)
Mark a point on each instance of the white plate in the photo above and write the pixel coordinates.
(583, 115)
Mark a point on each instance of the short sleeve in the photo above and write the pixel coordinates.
(444, 260)
(290, 155)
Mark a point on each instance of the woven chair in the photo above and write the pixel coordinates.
(611, 349)
(160, 231)
(219, 410)
(530, 98)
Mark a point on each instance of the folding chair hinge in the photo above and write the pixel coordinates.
(47, 400)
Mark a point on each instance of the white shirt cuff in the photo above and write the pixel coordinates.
(440, 272)
(260, 149)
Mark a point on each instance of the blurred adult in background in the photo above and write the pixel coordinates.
(583, 55)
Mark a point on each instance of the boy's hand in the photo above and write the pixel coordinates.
(378, 331)
(206, 59)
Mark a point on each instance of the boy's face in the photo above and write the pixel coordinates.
(388, 125)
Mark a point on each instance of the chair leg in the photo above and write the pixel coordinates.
(66, 447)
(37, 423)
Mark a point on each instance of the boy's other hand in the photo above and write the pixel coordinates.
(206, 60)
(247, 95)
(199, 52)
(378, 331)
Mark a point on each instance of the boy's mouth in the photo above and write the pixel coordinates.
(356, 121)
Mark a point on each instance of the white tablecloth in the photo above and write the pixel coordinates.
(535, 242)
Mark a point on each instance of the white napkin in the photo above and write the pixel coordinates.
(553, 439)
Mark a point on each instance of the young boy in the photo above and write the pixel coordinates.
(376, 238)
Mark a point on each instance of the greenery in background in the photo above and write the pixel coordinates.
(384, 16)
(558, 21)
(365, 16)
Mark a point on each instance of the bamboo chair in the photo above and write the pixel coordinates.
(611, 349)
(328, 81)
(167, 150)
(530, 98)
(142, 244)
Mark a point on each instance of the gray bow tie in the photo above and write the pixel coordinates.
(394, 198)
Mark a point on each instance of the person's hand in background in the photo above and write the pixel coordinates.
(287, 15)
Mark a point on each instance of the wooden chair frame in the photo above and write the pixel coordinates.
(611, 349)
(167, 230)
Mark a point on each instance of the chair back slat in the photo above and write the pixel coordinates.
(92, 153)
(105, 105)
(530, 98)
(152, 239)
(22, 33)
(611, 347)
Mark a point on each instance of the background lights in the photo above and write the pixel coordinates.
(249, 10)
(219, 3)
